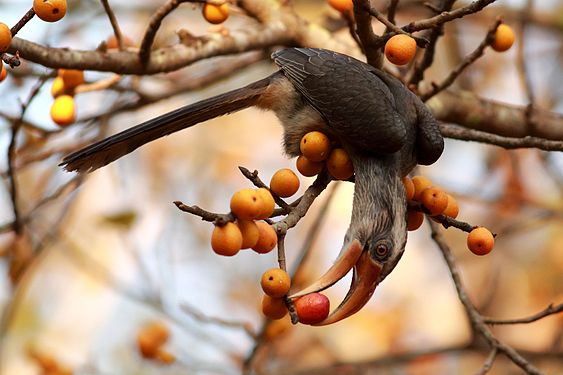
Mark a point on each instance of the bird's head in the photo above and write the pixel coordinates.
(374, 242)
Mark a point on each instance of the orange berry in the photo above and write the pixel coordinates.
(277, 328)
(435, 200)
(5, 37)
(273, 308)
(62, 111)
(339, 164)
(246, 204)
(111, 42)
(164, 357)
(312, 308)
(71, 77)
(3, 72)
(400, 49)
(58, 88)
(226, 240)
(420, 183)
(215, 14)
(284, 183)
(249, 232)
(452, 209)
(275, 282)
(268, 203)
(504, 38)
(480, 241)
(50, 10)
(307, 167)
(409, 187)
(315, 146)
(151, 337)
(414, 220)
(342, 6)
(267, 238)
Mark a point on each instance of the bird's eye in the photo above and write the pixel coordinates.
(381, 251)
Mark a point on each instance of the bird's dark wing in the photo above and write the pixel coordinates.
(354, 102)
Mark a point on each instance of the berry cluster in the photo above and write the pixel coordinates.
(311, 308)
(434, 202)
(63, 111)
(317, 151)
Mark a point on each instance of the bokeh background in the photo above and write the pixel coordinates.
(115, 253)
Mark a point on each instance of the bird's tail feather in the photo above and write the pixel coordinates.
(112, 148)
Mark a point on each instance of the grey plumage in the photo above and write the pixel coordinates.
(383, 126)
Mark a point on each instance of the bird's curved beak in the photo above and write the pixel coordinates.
(364, 280)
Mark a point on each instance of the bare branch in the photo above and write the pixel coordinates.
(467, 109)
(549, 310)
(446, 16)
(468, 60)
(114, 23)
(461, 133)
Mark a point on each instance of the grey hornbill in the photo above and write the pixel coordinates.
(382, 125)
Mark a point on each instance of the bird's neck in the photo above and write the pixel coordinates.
(379, 197)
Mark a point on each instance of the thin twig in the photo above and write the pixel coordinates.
(421, 42)
(459, 132)
(433, 36)
(114, 24)
(253, 177)
(217, 219)
(549, 310)
(488, 362)
(473, 315)
(445, 16)
(468, 60)
(199, 316)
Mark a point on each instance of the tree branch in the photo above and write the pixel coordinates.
(467, 109)
(464, 134)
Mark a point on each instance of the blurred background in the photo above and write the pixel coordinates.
(109, 253)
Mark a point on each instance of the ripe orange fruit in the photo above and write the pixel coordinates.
(452, 209)
(339, 164)
(504, 38)
(3, 72)
(62, 111)
(58, 87)
(400, 49)
(414, 220)
(215, 14)
(71, 77)
(273, 308)
(111, 42)
(409, 187)
(50, 10)
(307, 167)
(249, 232)
(151, 337)
(275, 282)
(164, 357)
(341, 5)
(284, 183)
(480, 241)
(267, 239)
(5, 37)
(312, 308)
(420, 183)
(268, 203)
(226, 240)
(435, 200)
(315, 146)
(246, 204)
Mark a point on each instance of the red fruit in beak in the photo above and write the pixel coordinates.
(312, 308)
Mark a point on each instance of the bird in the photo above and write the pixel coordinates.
(384, 127)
